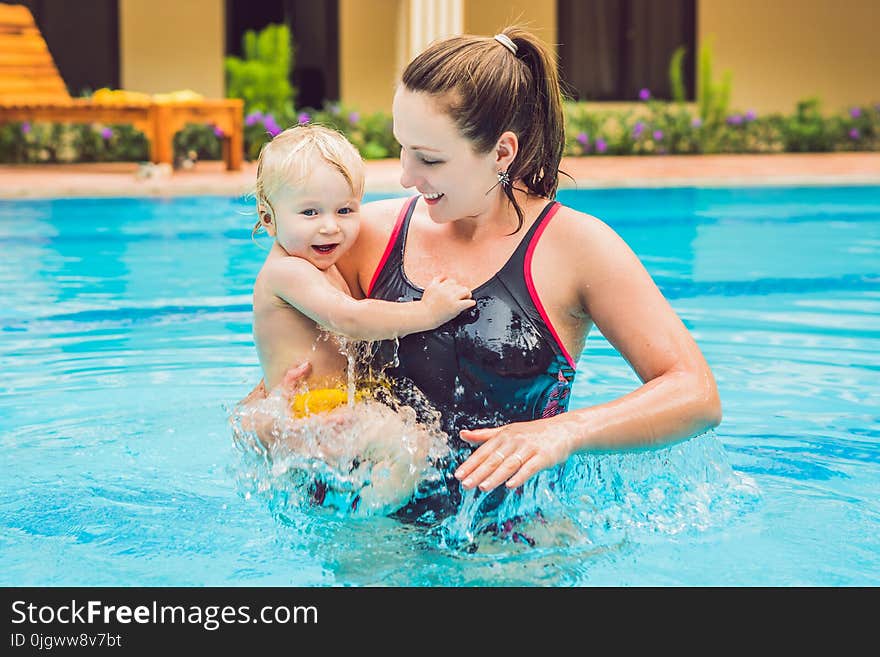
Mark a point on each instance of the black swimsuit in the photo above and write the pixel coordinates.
(499, 362)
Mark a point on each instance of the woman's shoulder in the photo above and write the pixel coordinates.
(587, 240)
(376, 225)
(378, 219)
(383, 212)
(571, 224)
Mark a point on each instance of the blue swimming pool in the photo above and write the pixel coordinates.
(126, 337)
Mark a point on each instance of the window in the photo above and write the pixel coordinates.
(83, 38)
(610, 49)
(314, 28)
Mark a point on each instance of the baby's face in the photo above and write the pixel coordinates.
(440, 162)
(318, 218)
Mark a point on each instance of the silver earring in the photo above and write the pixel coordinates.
(504, 178)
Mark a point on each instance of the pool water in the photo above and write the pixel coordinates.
(126, 340)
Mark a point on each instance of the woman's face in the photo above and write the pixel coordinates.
(439, 162)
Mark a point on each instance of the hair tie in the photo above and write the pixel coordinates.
(505, 41)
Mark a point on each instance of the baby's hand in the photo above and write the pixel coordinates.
(445, 299)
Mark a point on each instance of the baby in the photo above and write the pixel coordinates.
(310, 181)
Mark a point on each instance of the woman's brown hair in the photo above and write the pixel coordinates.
(487, 90)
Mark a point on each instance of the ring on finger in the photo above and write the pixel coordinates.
(518, 458)
(501, 454)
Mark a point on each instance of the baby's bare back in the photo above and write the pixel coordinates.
(284, 337)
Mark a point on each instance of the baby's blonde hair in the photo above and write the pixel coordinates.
(285, 160)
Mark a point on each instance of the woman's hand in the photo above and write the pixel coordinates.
(512, 453)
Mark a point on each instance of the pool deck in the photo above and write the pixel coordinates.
(209, 178)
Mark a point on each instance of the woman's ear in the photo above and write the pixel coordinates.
(506, 150)
(265, 213)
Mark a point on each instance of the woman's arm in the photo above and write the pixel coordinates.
(678, 398)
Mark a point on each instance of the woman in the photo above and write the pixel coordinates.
(480, 124)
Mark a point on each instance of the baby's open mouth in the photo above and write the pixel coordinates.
(324, 249)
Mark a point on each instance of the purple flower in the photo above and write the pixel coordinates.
(107, 134)
(25, 127)
(644, 94)
(218, 132)
(253, 118)
(638, 128)
(751, 115)
(354, 117)
(270, 125)
(855, 112)
(658, 135)
(583, 139)
(854, 133)
(303, 118)
(734, 119)
(697, 123)
(335, 109)
(601, 146)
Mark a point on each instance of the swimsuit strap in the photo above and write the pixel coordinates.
(516, 276)
(516, 261)
(392, 258)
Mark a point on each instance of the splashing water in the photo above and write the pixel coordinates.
(367, 457)
(373, 457)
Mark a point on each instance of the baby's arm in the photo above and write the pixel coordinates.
(307, 289)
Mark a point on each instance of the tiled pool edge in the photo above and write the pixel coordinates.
(210, 179)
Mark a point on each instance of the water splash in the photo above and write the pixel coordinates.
(686, 488)
(373, 457)
(368, 457)
(599, 501)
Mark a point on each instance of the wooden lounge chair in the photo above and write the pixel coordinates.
(31, 89)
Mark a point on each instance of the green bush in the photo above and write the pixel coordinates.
(713, 97)
(676, 74)
(262, 77)
(859, 129)
(807, 131)
(64, 143)
(673, 128)
(370, 133)
(198, 142)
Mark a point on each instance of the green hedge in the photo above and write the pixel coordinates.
(673, 128)
(649, 128)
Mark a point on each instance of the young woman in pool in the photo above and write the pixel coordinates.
(480, 124)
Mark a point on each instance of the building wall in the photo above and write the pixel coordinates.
(785, 50)
(169, 45)
(368, 42)
(373, 40)
(491, 16)
(778, 52)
